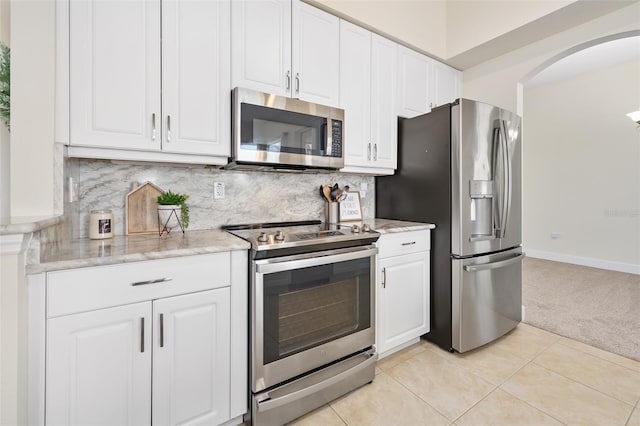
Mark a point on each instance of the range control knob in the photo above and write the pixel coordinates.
(366, 228)
(279, 236)
(355, 229)
(263, 237)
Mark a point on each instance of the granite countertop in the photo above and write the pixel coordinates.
(387, 226)
(82, 253)
(27, 224)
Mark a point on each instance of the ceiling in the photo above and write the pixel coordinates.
(597, 57)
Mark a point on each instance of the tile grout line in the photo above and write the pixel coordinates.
(583, 384)
(599, 357)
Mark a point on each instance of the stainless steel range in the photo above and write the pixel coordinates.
(312, 315)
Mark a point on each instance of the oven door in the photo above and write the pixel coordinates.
(310, 310)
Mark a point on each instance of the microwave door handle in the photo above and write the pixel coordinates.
(325, 144)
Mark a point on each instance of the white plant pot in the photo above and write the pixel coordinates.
(167, 217)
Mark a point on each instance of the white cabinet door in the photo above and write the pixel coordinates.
(403, 299)
(115, 74)
(384, 121)
(414, 83)
(447, 84)
(191, 359)
(355, 92)
(261, 45)
(315, 54)
(196, 77)
(98, 367)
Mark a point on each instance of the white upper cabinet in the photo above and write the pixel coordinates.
(315, 54)
(415, 73)
(367, 94)
(261, 45)
(355, 92)
(384, 133)
(117, 98)
(196, 77)
(447, 84)
(287, 48)
(115, 74)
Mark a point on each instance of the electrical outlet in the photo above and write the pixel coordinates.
(554, 235)
(218, 190)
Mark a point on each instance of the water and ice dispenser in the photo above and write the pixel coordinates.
(481, 192)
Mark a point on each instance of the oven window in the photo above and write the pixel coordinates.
(275, 130)
(307, 307)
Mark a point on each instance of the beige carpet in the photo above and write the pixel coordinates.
(594, 306)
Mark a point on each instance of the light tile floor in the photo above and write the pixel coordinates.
(528, 377)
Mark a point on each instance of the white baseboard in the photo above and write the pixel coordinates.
(629, 268)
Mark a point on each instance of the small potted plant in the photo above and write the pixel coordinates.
(168, 205)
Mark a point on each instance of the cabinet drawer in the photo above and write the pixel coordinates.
(98, 287)
(396, 244)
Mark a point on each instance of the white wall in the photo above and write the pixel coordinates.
(582, 166)
(32, 107)
(419, 24)
(496, 81)
(471, 23)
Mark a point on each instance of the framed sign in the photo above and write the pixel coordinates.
(350, 207)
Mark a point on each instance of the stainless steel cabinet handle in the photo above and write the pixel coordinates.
(153, 124)
(159, 280)
(409, 244)
(369, 151)
(161, 330)
(494, 265)
(288, 80)
(375, 152)
(297, 82)
(142, 334)
(384, 277)
(168, 128)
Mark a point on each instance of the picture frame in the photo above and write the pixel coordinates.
(351, 207)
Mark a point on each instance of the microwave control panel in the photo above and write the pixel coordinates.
(336, 138)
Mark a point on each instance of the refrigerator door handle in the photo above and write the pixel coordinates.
(497, 165)
(494, 265)
(506, 176)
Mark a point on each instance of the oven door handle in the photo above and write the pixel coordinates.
(269, 266)
(270, 404)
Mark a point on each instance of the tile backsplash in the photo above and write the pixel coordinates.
(249, 196)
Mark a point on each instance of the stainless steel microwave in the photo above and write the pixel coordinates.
(272, 131)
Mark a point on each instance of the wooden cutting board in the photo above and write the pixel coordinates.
(141, 209)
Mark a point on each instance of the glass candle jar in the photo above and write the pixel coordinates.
(100, 224)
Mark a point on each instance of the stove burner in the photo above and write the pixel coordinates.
(301, 236)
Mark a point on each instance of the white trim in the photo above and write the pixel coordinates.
(629, 268)
(36, 287)
(11, 244)
(145, 156)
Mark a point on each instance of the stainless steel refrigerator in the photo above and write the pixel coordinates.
(460, 167)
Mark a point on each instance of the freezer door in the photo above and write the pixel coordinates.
(486, 298)
(485, 175)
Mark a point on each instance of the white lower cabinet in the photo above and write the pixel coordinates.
(167, 359)
(402, 291)
(191, 359)
(99, 367)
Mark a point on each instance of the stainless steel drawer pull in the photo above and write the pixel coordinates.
(153, 123)
(161, 330)
(409, 244)
(142, 334)
(168, 128)
(156, 281)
